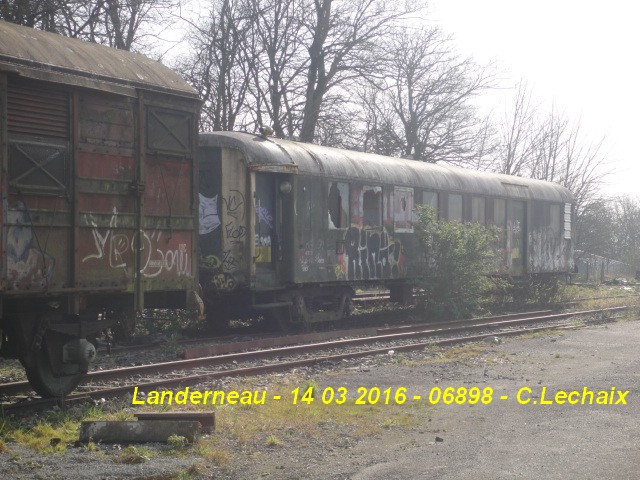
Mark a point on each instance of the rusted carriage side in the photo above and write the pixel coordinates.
(99, 209)
(292, 228)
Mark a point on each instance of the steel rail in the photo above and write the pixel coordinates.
(163, 367)
(190, 380)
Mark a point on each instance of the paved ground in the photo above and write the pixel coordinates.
(503, 439)
(506, 439)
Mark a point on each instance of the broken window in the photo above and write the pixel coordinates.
(372, 206)
(338, 205)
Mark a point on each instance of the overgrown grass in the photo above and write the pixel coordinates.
(462, 353)
(134, 454)
(273, 424)
(47, 437)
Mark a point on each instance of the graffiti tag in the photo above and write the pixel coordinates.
(118, 250)
(372, 255)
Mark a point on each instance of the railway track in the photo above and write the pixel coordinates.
(363, 300)
(181, 372)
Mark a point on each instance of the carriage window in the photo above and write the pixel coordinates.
(403, 209)
(499, 211)
(431, 199)
(372, 206)
(554, 220)
(338, 205)
(477, 210)
(454, 210)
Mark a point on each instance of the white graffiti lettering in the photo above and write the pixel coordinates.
(120, 249)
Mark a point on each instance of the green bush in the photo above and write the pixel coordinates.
(458, 258)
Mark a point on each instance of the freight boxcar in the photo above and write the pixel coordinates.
(99, 210)
(289, 229)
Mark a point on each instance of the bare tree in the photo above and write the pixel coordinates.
(216, 65)
(83, 19)
(343, 38)
(550, 147)
(39, 14)
(627, 222)
(125, 24)
(299, 57)
(382, 130)
(122, 24)
(422, 106)
(611, 228)
(515, 133)
(562, 154)
(276, 62)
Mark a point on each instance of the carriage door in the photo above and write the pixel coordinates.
(267, 233)
(516, 237)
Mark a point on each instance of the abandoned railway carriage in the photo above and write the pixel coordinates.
(289, 229)
(99, 210)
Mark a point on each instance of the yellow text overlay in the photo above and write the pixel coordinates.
(386, 396)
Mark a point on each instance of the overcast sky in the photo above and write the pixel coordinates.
(581, 54)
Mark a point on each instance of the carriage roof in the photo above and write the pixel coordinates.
(272, 154)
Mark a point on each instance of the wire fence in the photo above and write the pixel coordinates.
(590, 268)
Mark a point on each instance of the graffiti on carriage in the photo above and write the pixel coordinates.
(160, 253)
(371, 254)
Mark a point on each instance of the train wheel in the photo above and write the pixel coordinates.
(291, 318)
(51, 374)
(46, 384)
(300, 317)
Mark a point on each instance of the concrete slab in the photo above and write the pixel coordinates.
(138, 432)
(207, 419)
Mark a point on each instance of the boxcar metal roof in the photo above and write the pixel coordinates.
(51, 57)
(272, 154)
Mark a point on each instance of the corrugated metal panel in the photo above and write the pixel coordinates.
(33, 111)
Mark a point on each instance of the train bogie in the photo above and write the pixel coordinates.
(99, 211)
